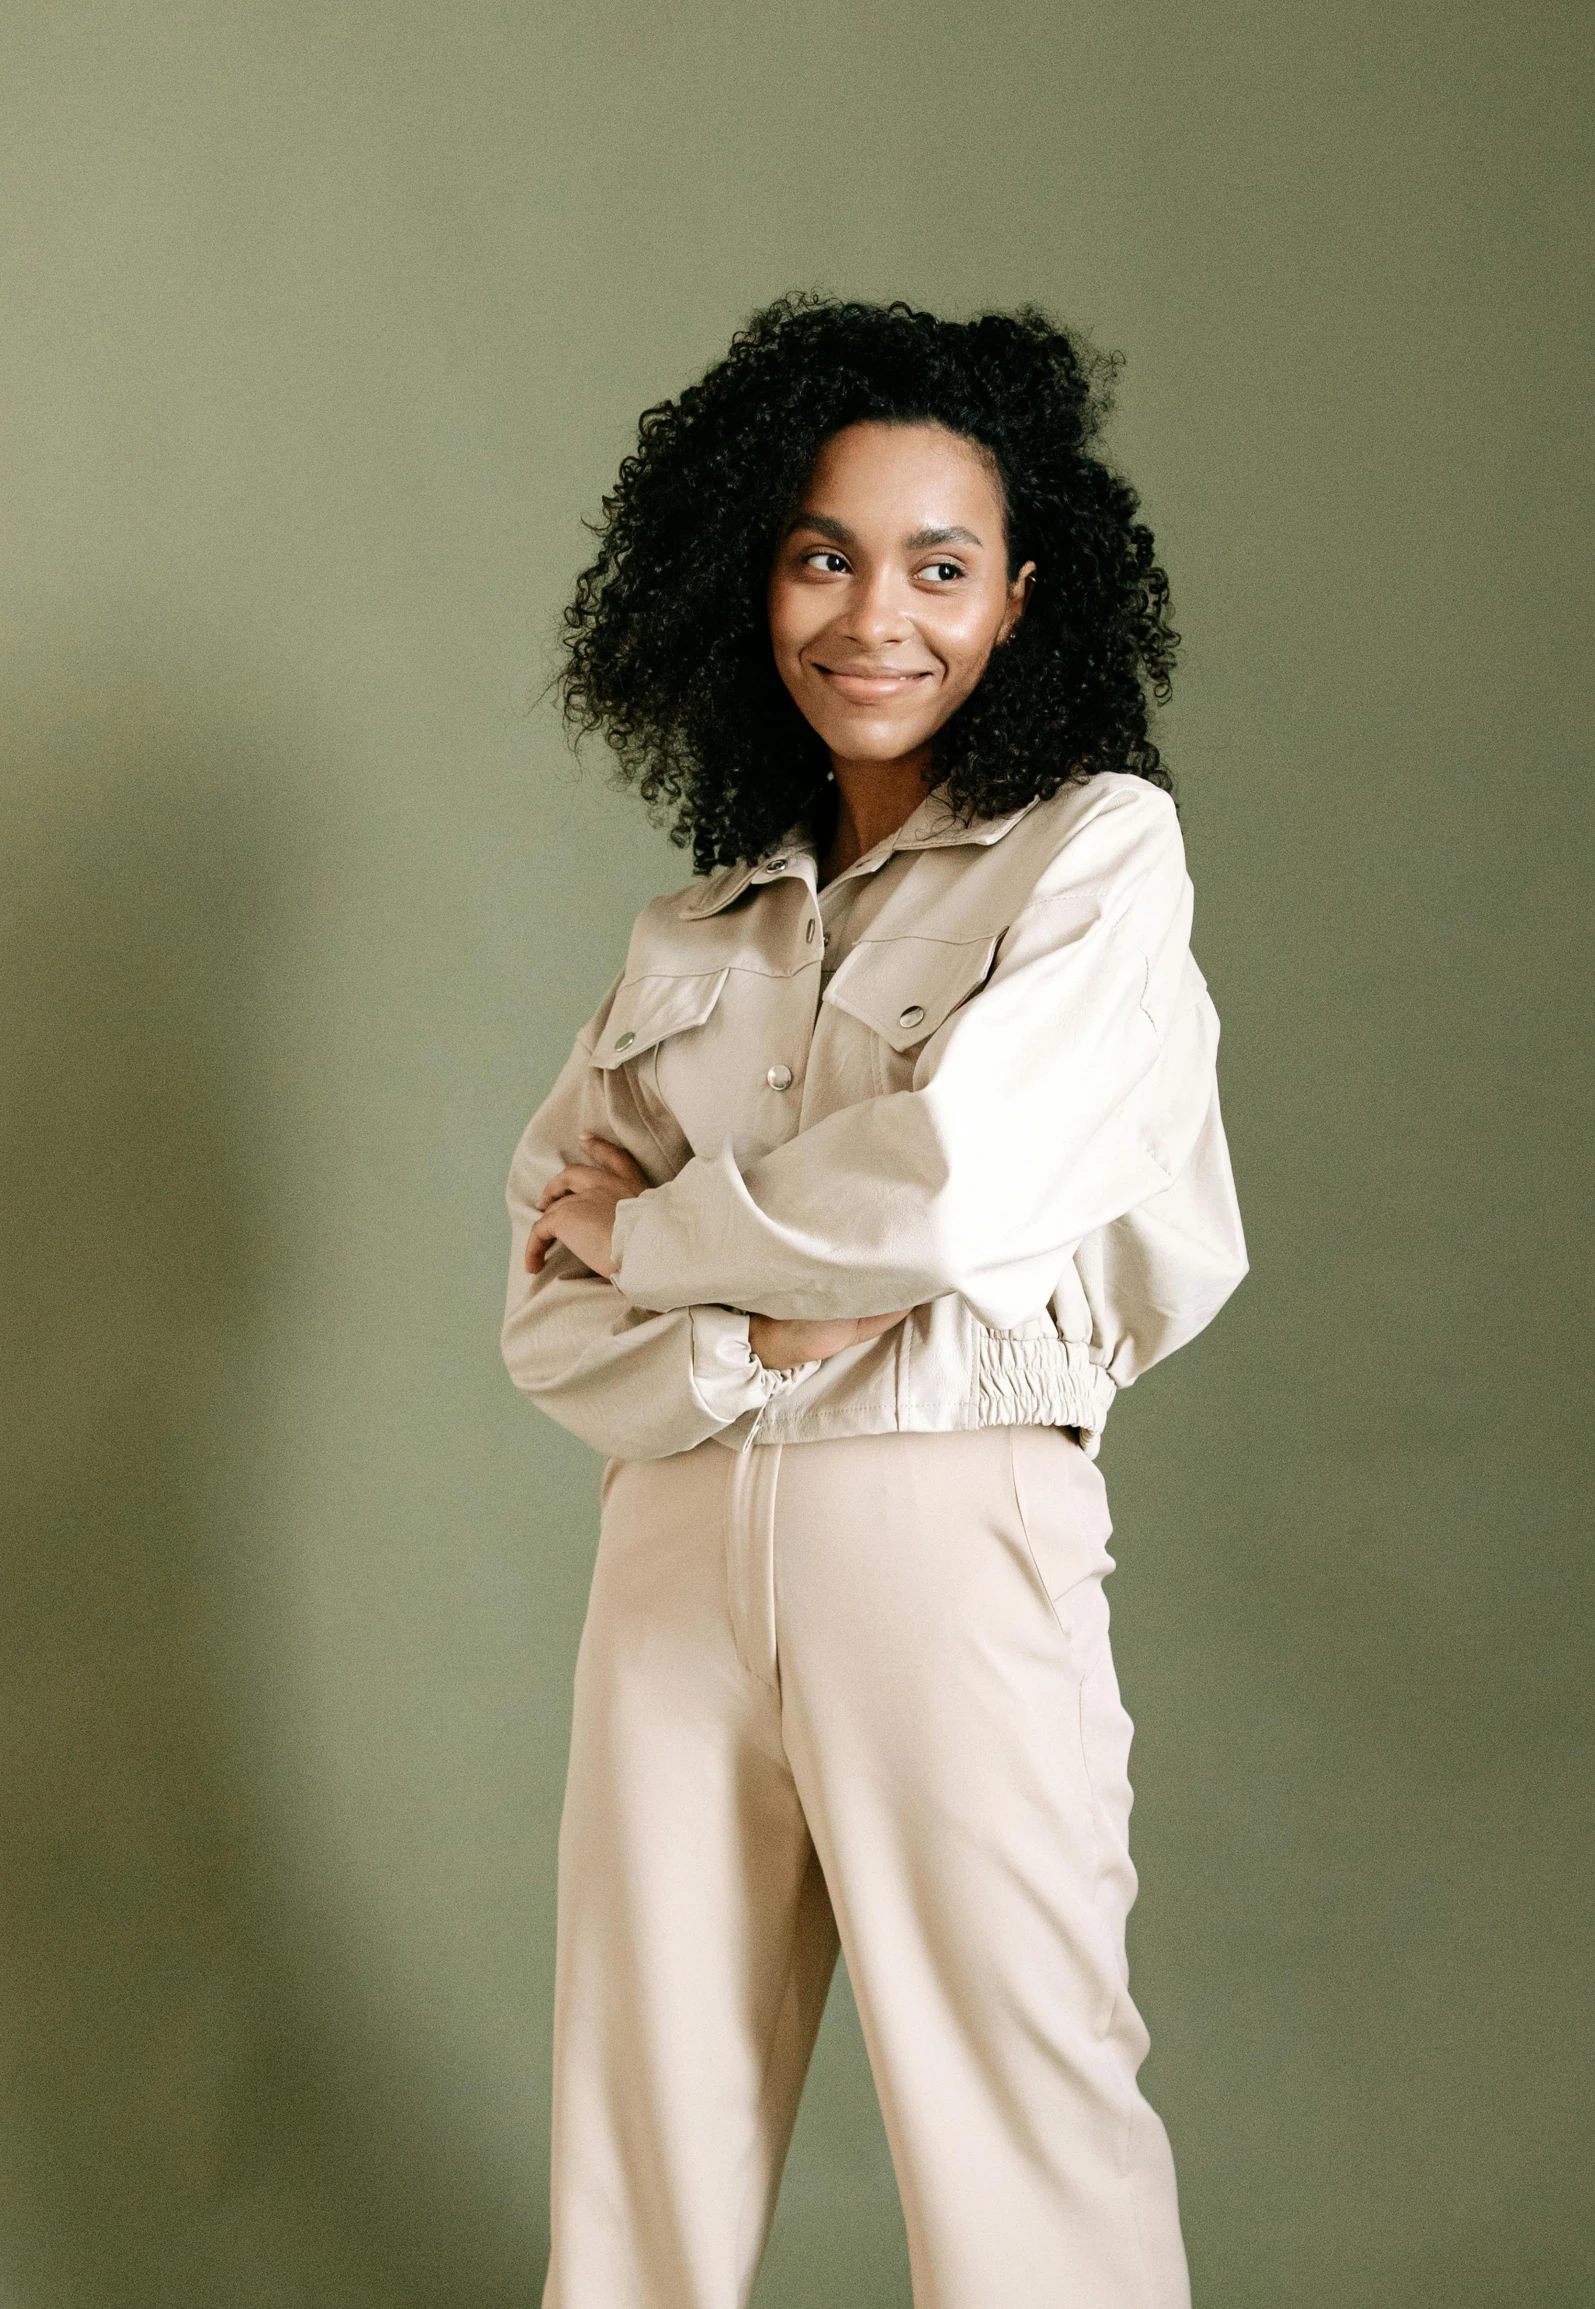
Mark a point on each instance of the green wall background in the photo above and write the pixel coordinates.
(325, 326)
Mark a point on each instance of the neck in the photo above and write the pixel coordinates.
(872, 800)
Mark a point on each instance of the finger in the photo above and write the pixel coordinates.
(574, 1179)
(613, 1159)
(559, 1184)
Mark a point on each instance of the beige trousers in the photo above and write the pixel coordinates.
(858, 1688)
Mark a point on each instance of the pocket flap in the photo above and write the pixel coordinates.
(905, 988)
(646, 1010)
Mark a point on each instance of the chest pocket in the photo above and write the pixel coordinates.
(903, 989)
(646, 1011)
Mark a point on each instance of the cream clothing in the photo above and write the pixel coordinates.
(991, 1099)
(856, 1691)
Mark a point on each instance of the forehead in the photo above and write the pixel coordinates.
(922, 473)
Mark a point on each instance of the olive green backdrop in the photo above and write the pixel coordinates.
(324, 327)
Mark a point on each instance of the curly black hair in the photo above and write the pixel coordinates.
(667, 645)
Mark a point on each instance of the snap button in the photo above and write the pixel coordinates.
(779, 1078)
(625, 1041)
(911, 1016)
(776, 866)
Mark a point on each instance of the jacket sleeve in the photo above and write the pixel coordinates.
(1071, 1088)
(633, 1384)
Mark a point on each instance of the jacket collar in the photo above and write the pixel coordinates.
(933, 826)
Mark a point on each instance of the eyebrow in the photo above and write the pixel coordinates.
(839, 531)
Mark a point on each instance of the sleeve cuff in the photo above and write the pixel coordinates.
(727, 1376)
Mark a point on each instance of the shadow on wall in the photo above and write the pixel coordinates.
(198, 2109)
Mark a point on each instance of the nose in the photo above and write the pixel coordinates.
(877, 614)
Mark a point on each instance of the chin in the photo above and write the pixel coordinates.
(873, 742)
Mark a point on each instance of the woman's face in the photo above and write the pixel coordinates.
(890, 588)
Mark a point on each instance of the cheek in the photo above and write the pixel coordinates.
(965, 635)
(793, 620)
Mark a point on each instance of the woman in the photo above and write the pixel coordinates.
(892, 1153)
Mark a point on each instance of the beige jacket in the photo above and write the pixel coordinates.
(1001, 1111)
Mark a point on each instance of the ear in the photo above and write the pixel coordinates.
(1014, 609)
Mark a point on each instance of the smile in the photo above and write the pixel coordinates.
(869, 687)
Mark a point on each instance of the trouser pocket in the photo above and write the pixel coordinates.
(1063, 1507)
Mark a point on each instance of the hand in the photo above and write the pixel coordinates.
(579, 1203)
(780, 1343)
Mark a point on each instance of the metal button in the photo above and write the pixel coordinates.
(776, 866)
(624, 1041)
(779, 1078)
(808, 931)
(911, 1016)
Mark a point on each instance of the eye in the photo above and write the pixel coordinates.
(826, 558)
(941, 572)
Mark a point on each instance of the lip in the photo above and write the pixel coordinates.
(867, 686)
